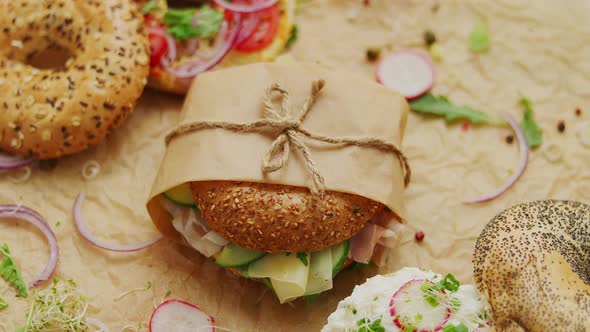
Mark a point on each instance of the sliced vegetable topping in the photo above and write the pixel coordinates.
(3, 303)
(293, 37)
(181, 194)
(367, 325)
(245, 6)
(10, 272)
(441, 106)
(265, 32)
(407, 72)
(8, 162)
(180, 316)
(532, 132)
(85, 232)
(524, 155)
(188, 23)
(232, 256)
(339, 256)
(34, 218)
(455, 328)
(411, 311)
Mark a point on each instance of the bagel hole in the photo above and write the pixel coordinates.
(54, 58)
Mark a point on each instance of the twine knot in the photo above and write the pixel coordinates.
(287, 121)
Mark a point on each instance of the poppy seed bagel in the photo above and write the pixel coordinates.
(533, 262)
(278, 218)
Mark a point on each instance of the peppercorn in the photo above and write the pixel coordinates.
(419, 236)
(429, 38)
(561, 126)
(510, 139)
(578, 111)
(373, 54)
(47, 164)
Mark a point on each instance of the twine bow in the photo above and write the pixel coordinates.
(291, 134)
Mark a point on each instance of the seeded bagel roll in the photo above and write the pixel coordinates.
(278, 218)
(48, 113)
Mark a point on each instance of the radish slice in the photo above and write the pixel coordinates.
(180, 316)
(34, 218)
(408, 308)
(85, 232)
(407, 72)
(524, 157)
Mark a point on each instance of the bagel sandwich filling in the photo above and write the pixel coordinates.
(305, 241)
(188, 38)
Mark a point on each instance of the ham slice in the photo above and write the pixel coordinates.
(362, 244)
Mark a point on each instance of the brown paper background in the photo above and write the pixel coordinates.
(540, 48)
(349, 105)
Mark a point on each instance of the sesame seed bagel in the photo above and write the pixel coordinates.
(162, 80)
(278, 218)
(48, 113)
(533, 262)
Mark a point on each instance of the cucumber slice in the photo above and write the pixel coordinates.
(339, 254)
(233, 256)
(181, 194)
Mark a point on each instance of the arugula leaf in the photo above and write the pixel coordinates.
(441, 106)
(180, 22)
(293, 37)
(9, 271)
(3, 303)
(532, 132)
(150, 6)
(303, 258)
(366, 325)
(479, 38)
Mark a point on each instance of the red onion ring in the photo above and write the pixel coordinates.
(34, 218)
(85, 232)
(191, 46)
(249, 25)
(159, 31)
(243, 7)
(194, 67)
(219, 44)
(8, 162)
(524, 156)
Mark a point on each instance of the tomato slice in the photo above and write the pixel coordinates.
(158, 46)
(265, 31)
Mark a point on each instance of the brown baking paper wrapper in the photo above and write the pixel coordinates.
(347, 106)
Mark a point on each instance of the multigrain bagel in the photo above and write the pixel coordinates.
(277, 218)
(533, 262)
(48, 113)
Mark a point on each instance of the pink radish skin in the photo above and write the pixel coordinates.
(396, 318)
(407, 72)
(180, 316)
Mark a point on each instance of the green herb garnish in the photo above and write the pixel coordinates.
(455, 328)
(455, 304)
(310, 298)
(3, 303)
(479, 38)
(10, 272)
(532, 132)
(168, 292)
(441, 106)
(366, 325)
(147, 286)
(58, 223)
(303, 258)
(293, 37)
(432, 291)
(180, 22)
(150, 6)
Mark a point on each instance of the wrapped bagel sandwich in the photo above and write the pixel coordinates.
(288, 181)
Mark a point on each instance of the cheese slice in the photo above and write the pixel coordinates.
(319, 278)
(287, 273)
